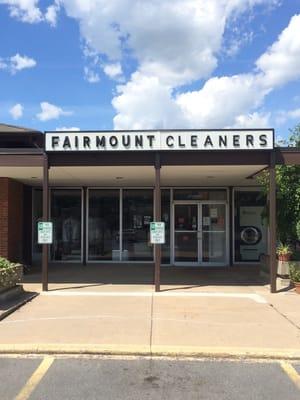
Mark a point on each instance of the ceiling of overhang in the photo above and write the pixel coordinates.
(136, 176)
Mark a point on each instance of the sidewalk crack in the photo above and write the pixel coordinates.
(284, 316)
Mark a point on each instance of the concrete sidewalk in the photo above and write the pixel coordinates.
(242, 322)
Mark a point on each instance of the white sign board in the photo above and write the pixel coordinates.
(256, 139)
(157, 232)
(45, 232)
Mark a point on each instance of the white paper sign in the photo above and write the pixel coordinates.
(157, 232)
(214, 213)
(45, 232)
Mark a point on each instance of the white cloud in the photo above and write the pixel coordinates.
(24, 10)
(145, 103)
(50, 111)
(17, 63)
(90, 75)
(30, 12)
(281, 62)
(222, 101)
(113, 71)
(52, 13)
(64, 128)
(16, 111)
(284, 115)
(254, 120)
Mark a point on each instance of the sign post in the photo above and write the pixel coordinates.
(157, 232)
(45, 232)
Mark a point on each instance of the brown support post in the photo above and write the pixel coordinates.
(157, 218)
(45, 254)
(272, 223)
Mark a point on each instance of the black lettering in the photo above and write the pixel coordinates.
(151, 139)
(236, 141)
(126, 143)
(194, 141)
(86, 141)
(170, 141)
(208, 141)
(139, 141)
(249, 140)
(223, 141)
(100, 142)
(113, 141)
(180, 144)
(263, 140)
(55, 141)
(76, 142)
(67, 142)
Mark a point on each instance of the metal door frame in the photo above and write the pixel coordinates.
(199, 232)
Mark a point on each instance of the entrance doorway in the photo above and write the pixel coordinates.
(200, 233)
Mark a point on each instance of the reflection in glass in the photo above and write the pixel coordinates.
(165, 217)
(66, 217)
(214, 233)
(213, 217)
(103, 228)
(200, 194)
(214, 247)
(186, 217)
(186, 247)
(137, 215)
(37, 208)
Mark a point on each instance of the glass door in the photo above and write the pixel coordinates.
(200, 234)
(186, 221)
(213, 237)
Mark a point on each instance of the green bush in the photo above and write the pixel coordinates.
(294, 273)
(4, 263)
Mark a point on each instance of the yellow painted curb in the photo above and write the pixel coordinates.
(168, 351)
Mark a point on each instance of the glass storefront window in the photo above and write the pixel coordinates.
(165, 217)
(104, 225)
(66, 218)
(137, 215)
(249, 225)
(200, 194)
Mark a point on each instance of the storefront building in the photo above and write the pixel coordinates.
(101, 190)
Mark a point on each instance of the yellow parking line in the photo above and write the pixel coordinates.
(35, 378)
(291, 372)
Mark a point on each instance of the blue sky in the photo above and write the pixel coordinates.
(129, 64)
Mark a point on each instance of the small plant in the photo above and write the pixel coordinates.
(284, 252)
(294, 273)
(4, 263)
(10, 274)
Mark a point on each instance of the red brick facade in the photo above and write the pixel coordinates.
(11, 219)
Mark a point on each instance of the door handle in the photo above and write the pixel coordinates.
(199, 235)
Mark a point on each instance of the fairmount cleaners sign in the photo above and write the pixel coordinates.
(160, 140)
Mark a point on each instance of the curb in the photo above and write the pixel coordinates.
(16, 306)
(155, 351)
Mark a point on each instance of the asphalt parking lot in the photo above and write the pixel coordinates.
(112, 378)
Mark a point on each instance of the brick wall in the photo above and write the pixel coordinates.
(11, 219)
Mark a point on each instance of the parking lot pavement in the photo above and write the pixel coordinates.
(14, 373)
(143, 378)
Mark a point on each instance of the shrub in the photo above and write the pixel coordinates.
(294, 273)
(4, 263)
